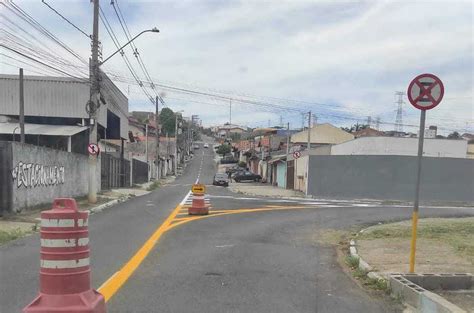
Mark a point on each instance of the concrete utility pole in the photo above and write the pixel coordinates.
(22, 110)
(157, 147)
(175, 168)
(93, 106)
(309, 131)
(287, 138)
(146, 151)
(230, 111)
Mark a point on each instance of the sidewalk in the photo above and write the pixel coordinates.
(264, 190)
(25, 223)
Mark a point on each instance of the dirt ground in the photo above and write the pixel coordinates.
(444, 245)
(432, 256)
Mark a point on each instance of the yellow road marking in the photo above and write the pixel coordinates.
(118, 279)
(111, 286)
(228, 212)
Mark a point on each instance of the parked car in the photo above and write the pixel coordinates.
(206, 145)
(246, 175)
(196, 146)
(220, 179)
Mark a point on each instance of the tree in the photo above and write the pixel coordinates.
(454, 135)
(223, 149)
(167, 120)
(355, 127)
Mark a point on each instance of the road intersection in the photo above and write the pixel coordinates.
(250, 254)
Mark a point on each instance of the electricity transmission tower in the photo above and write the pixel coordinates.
(399, 118)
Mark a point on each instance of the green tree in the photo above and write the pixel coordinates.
(355, 127)
(167, 121)
(223, 149)
(454, 135)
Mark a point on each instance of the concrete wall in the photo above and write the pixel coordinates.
(301, 168)
(470, 151)
(390, 177)
(401, 146)
(38, 175)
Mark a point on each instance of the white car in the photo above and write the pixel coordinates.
(206, 145)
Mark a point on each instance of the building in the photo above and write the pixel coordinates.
(56, 111)
(431, 132)
(322, 134)
(227, 130)
(368, 132)
(400, 146)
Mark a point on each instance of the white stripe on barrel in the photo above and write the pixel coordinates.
(64, 222)
(64, 243)
(60, 264)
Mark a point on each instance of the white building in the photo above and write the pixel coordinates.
(401, 146)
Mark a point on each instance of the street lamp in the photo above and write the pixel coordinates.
(153, 30)
(14, 130)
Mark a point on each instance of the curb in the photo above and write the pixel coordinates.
(412, 294)
(363, 265)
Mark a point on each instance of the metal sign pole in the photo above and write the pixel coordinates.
(421, 138)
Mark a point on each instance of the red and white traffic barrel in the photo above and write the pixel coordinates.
(65, 274)
(198, 205)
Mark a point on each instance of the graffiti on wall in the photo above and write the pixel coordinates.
(36, 175)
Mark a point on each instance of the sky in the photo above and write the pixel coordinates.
(343, 60)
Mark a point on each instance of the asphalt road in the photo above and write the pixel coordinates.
(268, 260)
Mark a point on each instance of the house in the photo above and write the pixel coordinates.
(227, 130)
(368, 132)
(321, 134)
(401, 146)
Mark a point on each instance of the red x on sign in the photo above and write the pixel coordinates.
(425, 91)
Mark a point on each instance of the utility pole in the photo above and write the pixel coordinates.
(93, 105)
(230, 111)
(309, 131)
(287, 138)
(175, 168)
(22, 109)
(146, 152)
(157, 147)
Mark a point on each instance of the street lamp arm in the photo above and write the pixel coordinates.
(153, 30)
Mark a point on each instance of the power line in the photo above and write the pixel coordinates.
(64, 18)
(38, 61)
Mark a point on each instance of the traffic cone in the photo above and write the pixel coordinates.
(65, 282)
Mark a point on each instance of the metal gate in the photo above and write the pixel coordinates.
(5, 178)
(114, 172)
(290, 175)
(140, 172)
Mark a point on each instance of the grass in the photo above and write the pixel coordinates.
(352, 261)
(361, 275)
(457, 232)
(6, 236)
(156, 184)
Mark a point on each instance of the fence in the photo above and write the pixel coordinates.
(115, 172)
(139, 172)
(5, 183)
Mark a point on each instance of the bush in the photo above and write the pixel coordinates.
(242, 164)
(223, 149)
